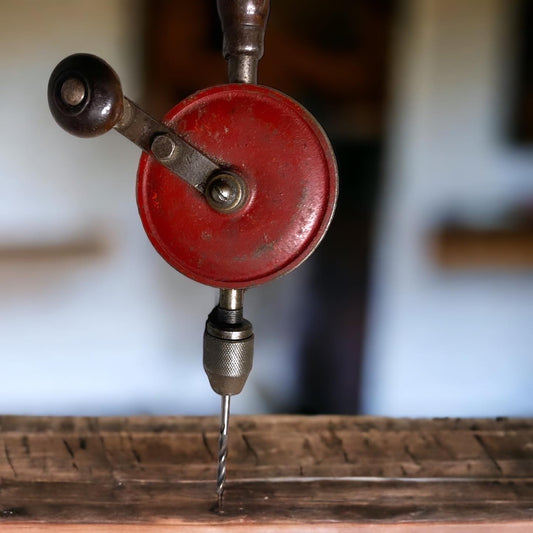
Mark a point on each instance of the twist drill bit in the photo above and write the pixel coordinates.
(223, 447)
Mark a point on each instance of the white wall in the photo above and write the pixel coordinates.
(117, 332)
(449, 343)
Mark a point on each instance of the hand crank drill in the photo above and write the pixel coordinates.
(236, 186)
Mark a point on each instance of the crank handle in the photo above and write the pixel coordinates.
(85, 98)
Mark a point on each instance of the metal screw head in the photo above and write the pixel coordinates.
(222, 192)
(73, 91)
(163, 147)
(225, 192)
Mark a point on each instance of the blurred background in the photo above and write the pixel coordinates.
(419, 302)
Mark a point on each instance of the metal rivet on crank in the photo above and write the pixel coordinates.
(163, 147)
(73, 91)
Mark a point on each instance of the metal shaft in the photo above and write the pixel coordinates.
(231, 299)
(227, 356)
(222, 447)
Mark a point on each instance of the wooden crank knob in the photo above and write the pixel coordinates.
(85, 95)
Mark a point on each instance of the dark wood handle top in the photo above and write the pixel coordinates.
(243, 23)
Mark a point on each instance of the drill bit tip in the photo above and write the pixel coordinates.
(222, 448)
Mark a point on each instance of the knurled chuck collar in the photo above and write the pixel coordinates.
(228, 351)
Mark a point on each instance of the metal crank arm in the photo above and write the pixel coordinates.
(85, 97)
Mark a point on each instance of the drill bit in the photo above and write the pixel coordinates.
(228, 357)
(222, 448)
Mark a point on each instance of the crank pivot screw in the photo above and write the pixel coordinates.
(225, 192)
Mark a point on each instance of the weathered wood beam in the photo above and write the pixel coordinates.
(285, 473)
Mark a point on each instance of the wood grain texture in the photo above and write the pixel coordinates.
(285, 473)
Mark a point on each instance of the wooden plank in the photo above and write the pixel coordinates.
(496, 248)
(285, 473)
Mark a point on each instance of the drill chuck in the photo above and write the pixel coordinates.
(228, 351)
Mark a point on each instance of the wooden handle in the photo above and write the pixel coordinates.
(243, 23)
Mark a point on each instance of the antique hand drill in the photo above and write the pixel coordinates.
(235, 187)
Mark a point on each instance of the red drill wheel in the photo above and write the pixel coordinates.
(289, 168)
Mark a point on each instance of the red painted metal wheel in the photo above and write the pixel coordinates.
(289, 168)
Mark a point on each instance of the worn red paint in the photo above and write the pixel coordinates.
(290, 171)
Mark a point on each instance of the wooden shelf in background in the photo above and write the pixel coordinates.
(285, 474)
(471, 248)
(82, 248)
